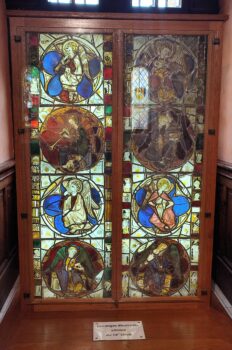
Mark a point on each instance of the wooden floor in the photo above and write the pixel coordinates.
(207, 329)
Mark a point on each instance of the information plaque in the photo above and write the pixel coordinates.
(123, 330)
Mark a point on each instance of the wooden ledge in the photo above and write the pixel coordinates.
(117, 16)
(224, 165)
(6, 166)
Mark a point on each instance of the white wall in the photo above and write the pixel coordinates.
(6, 129)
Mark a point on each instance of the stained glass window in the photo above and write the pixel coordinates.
(68, 108)
(164, 108)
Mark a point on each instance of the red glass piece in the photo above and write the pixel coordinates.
(34, 124)
(108, 73)
(126, 168)
(35, 99)
(108, 134)
(108, 99)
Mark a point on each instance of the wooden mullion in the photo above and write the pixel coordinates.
(120, 155)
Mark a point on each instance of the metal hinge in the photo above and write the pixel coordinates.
(21, 131)
(204, 292)
(216, 41)
(24, 215)
(17, 38)
(26, 295)
(212, 132)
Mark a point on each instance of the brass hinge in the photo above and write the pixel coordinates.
(216, 41)
(17, 38)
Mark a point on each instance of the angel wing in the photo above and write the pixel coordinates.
(88, 201)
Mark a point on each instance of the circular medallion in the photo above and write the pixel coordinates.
(73, 206)
(72, 269)
(72, 139)
(172, 69)
(164, 142)
(160, 268)
(71, 70)
(161, 204)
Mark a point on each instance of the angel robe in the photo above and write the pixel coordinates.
(74, 213)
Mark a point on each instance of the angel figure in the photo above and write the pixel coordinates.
(78, 206)
(76, 209)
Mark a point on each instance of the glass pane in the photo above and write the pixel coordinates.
(92, 2)
(68, 108)
(65, 1)
(174, 3)
(164, 108)
(146, 3)
(162, 3)
(135, 3)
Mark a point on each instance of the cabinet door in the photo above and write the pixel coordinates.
(116, 167)
(164, 117)
(68, 113)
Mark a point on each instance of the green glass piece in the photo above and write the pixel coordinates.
(35, 150)
(108, 110)
(107, 274)
(35, 72)
(36, 244)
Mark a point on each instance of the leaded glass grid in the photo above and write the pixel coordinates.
(68, 108)
(164, 112)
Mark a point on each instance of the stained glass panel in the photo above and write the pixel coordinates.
(164, 108)
(68, 108)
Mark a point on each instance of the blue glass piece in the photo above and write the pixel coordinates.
(51, 205)
(144, 216)
(85, 87)
(181, 205)
(140, 195)
(95, 195)
(62, 188)
(59, 225)
(92, 220)
(172, 193)
(50, 61)
(42, 79)
(54, 86)
(94, 67)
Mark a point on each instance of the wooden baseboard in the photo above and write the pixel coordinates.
(11, 297)
(225, 305)
(8, 230)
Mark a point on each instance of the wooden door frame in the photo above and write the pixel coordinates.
(118, 24)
